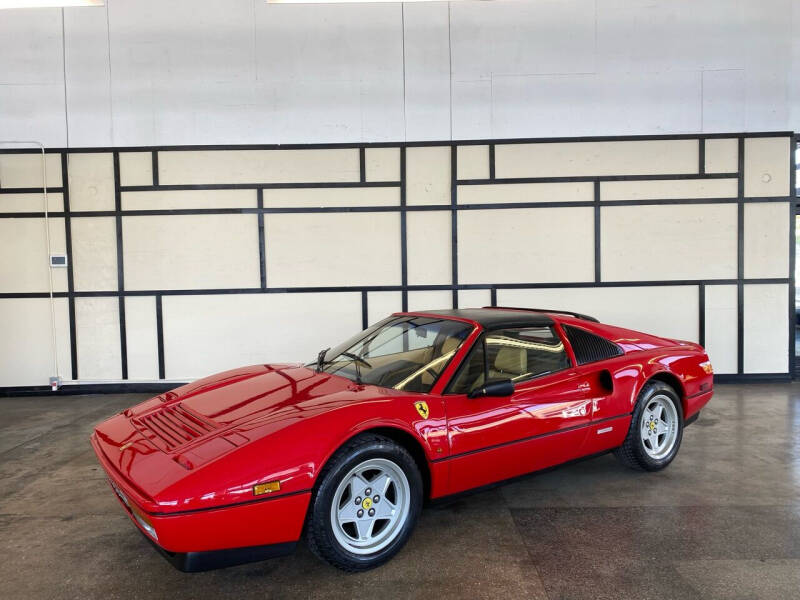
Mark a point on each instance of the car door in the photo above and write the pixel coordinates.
(541, 424)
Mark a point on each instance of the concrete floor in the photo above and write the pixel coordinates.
(723, 521)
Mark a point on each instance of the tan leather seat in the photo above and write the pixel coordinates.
(510, 362)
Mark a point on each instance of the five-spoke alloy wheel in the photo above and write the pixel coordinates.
(365, 505)
(656, 429)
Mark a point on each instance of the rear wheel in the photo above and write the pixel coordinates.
(656, 429)
(365, 505)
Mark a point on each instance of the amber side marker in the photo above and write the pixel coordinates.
(266, 488)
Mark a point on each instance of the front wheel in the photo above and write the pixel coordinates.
(365, 505)
(656, 429)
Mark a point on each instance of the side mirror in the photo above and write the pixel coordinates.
(496, 388)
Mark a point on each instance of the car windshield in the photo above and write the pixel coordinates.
(404, 353)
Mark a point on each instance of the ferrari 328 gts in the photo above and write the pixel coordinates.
(421, 406)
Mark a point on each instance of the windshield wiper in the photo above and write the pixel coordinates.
(356, 361)
(321, 359)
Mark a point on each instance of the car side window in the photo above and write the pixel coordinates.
(521, 354)
(471, 375)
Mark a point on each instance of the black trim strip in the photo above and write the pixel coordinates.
(231, 505)
(597, 247)
(530, 438)
(73, 342)
(155, 167)
(123, 336)
(351, 145)
(262, 249)
(740, 262)
(395, 288)
(160, 338)
(156, 212)
(403, 233)
(454, 223)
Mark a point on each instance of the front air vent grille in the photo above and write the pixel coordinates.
(589, 347)
(173, 427)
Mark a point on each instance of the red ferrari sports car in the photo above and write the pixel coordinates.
(421, 406)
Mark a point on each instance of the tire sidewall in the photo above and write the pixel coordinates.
(656, 388)
(321, 509)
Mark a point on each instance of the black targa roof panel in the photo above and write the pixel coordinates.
(490, 318)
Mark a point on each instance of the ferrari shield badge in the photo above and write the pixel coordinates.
(422, 409)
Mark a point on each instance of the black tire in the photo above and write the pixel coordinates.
(632, 453)
(319, 528)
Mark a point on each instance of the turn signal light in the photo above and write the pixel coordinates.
(266, 488)
(706, 366)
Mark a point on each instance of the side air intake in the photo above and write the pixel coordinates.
(589, 347)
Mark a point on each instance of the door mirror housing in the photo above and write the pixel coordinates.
(496, 388)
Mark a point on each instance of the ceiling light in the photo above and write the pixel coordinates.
(48, 3)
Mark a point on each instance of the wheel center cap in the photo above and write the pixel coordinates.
(652, 425)
(366, 504)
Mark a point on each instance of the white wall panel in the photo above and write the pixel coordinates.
(247, 72)
(258, 166)
(724, 100)
(721, 327)
(185, 199)
(31, 202)
(382, 304)
(722, 155)
(766, 240)
(94, 253)
(766, 328)
(348, 249)
(319, 197)
(427, 70)
(545, 245)
(766, 166)
(430, 300)
(669, 189)
(472, 162)
(253, 328)
(91, 181)
(472, 109)
(496, 193)
(669, 311)
(88, 76)
(382, 164)
(428, 247)
(567, 159)
(474, 298)
(97, 338)
(26, 343)
(25, 170)
(338, 80)
(428, 175)
(695, 241)
(205, 252)
(32, 102)
(136, 168)
(141, 336)
(546, 105)
(25, 264)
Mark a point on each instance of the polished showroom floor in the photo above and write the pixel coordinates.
(723, 521)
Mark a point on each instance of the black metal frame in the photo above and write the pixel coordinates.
(403, 208)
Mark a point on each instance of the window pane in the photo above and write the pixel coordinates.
(471, 374)
(520, 354)
(405, 353)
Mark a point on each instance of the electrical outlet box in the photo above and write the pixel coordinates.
(58, 260)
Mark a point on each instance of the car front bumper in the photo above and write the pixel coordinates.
(203, 539)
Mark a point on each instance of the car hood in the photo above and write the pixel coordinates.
(169, 439)
(238, 396)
